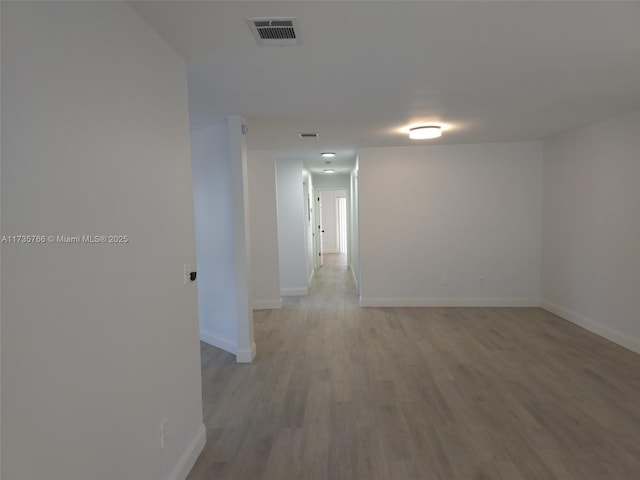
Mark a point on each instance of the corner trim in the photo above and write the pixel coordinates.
(353, 274)
(593, 326)
(450, 302)
(246, 355)
(273, 304)
(294, 292)
(243, 355)
(190, 455)
(217, 341)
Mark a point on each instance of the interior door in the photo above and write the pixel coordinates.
(319, 230)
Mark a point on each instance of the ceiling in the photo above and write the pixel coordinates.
(366, 70)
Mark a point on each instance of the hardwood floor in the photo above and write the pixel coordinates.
(335, 260)
(339, 392)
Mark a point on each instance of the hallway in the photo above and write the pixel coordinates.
(341, 392)
(335, 260)
(272, 419)
(332, 287)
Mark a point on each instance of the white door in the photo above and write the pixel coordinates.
(341, 224)
(319, 230)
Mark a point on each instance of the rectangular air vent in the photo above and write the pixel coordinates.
(274, 31)
(308, 135)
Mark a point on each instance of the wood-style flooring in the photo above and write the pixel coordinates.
(342, 392)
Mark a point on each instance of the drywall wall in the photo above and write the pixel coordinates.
(265, 269)
(99, 340)
(354, 228)
(223, 292)
(330, 181)
(291, 226)
(450, 225)
(591, 233)
(214, 236)
(0, 262)
(246, 350)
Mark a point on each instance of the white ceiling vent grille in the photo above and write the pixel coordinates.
(274, 31)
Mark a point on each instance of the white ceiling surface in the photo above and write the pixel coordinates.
(489, 71)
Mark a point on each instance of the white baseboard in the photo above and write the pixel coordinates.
(243, 355)
(273, 304)
(450, 302)
(246, 355)
(217, 341)
(190, 455)
(598, 328)
(294, 292)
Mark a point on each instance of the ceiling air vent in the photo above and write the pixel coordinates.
(274, 31)
(308, 135)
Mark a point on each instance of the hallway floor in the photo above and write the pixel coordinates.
(335, 260)
(342, 392)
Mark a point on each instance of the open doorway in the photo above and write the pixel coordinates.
(332, 225)
(334, 233)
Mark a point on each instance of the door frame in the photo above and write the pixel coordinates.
(318, 230)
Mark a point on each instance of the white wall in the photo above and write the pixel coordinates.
(450, 214)
(354, 227)
(99, 342)
(331, 181)
(241, 234)
(591, 255)
(291, 225)
(214, 236)
(223, 277)
(0, 270)
(265, 269)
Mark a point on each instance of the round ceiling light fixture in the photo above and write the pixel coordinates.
(425, 132)
(327, 154)
(329, 170)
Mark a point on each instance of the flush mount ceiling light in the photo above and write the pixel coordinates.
(422, 133)
(329, 170)
(327, 154)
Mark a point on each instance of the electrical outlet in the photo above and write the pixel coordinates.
(482, 280)
(163, 433)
